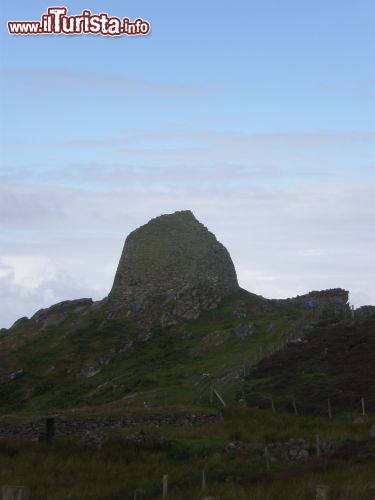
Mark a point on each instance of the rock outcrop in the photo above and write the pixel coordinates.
(172, 265)
(365, 312)
(324, 303)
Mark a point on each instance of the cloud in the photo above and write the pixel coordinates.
(296, 211)
(31, 282)
(20, 205)
(284, 239)
(165, 159)
(183, 143)
(114, 83)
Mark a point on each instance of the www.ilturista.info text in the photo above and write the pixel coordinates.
(57, 22)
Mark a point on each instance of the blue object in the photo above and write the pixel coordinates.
(310, 304)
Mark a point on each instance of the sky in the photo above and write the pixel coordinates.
(259, 116)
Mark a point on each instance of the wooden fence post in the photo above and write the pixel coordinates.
(219, 397)
(203, 479)
(165, 485)
(295, 407)
(272, 404)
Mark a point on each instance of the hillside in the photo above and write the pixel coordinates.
(332, 361)
(178, 371)
(69, 355)
(174, 324)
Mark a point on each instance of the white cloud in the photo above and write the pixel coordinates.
(29, 283)
(27, 272)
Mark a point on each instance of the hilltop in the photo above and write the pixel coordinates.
(171, 268)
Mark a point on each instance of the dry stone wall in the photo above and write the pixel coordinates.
(80, 426)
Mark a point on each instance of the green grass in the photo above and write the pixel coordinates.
(66, 469)
(166, 367)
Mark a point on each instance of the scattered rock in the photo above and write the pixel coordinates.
(51, 321)
(230, 447)
(144, 336)
(148, 404)
(216, 338)
(294, 450)
(299, 340)
(235, 446)
(88, 371)
(92, 440)
(244, 330)
(16, 374)
(127, 347)
(239, 314)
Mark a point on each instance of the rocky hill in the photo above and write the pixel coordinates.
(174, 324)
(171, 269)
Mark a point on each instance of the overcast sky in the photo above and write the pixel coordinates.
(259, 116)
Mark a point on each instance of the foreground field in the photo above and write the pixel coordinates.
(114, 464)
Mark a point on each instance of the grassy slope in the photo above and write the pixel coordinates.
(167, 367)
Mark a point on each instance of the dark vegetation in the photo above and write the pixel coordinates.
(333, 361)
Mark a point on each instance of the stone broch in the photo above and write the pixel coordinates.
(173, 265)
